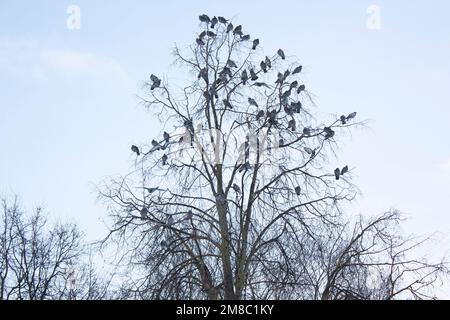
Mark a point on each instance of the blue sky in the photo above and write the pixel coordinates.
(69, 112)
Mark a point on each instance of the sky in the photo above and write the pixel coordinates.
(69, 109)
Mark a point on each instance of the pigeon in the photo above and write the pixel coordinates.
(351, 116)
(155, 143)
(229, 27)
(328, 133)
(286, 74)
(156, 82)
(204, 18)
(202, 35)
(227, 104)
(281, 54)
(144, 212)
(166, 136)
(260, 114)
(200, 42)
(252, 102)
(301, 88)
(231, 64)
(236, 188)
(297, 70)
(255, 44)
(263, 66)
(245, 38)
(293, 85)
(135, 149)
(281, 142)
(238, 30)
(261, 84)
(268, 62)
(164, 159)
(337, 173)
(253, 75)
(214, 22)
(307, 131)
(280, 78)
(203, 74)
(344, 170)
(343, 119)
(222, 20)
(151, 190)
(298, 190)
(210, 34)
(296, 106)
(244, 76)
(291, 125)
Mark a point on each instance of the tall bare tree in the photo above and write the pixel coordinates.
(39, 261)
(239, 198)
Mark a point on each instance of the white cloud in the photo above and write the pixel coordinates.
(29, 59)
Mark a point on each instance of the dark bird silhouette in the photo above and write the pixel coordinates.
(296, 106)
(301, 88)
(245, 166)
(261, 84)
(351, 116)
(156, 82)
(166, 136)
(214, 21)
(189, 215)
(231, 64)
(164, 159)
(255, 44)
(236, 188)
(244, 76)
(280, 78)
(297, 70)
(245, 38)
(286, 74)
(337, 173)
(293, 85)
(200, 42)
(152, 190)
(135, 149)
(229, 27)
(292, 125)
(227, 104)
(298, 190)
(204, 18)
(308, 150)
(252, 102)
(222, 20)
(281, 142)
(253, 75)
(210, 34)
(263, 66)
(170, 220)
(268, 62)
(307, 131)
(328, 133)
(202, 34)
(238, 30)
(343, 119)
(281, 54)
(164, 243)
(260, 114)
(203, 74)
(144, 212)
(155, 143)
(344, 170)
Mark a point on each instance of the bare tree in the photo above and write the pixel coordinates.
(39, 262)
(239, 198)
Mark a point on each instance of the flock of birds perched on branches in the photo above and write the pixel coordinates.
(246, 76)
